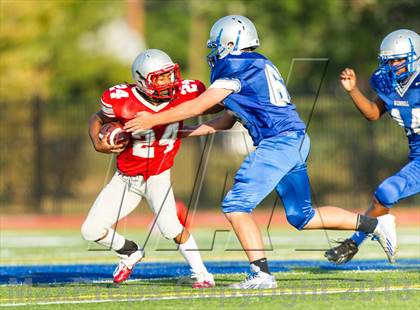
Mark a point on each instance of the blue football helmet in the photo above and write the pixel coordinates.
(229, 34)
(402, 44)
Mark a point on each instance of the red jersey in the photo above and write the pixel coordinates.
(151, 152)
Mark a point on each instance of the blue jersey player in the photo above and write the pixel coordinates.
(397, 85)
(252, 91)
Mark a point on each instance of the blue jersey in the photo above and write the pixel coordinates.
(261, 103)
(403, 104)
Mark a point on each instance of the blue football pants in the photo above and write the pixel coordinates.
(278, 163)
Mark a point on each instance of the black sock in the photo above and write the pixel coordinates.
(128, 248)
(366, 224)
(262, 264)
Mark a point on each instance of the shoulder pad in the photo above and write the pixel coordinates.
(190, 89)
(235, 64)
(117, 92)
(416, 82)
(228, 67)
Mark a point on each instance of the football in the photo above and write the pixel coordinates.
(117, 134)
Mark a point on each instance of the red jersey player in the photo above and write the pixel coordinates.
(143, 166)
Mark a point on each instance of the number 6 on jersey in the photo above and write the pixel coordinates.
(278, 92)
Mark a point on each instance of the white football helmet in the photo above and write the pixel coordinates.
(231, 33)
(399, 44)
(147, 67)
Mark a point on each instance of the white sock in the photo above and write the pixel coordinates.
(191, 254)
(113, 240)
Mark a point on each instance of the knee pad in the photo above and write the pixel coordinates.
(92, 233)
(170, 234)
(171, 230)
(299, 217)
(389, 192)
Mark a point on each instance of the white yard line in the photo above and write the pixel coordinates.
(205, 294)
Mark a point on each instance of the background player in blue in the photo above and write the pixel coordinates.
(253, 92)
(397, 85)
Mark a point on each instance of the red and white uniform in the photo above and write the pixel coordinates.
(153, 151)
(143, 167)
(143, 173)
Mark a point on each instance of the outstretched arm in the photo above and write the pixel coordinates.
(371, 110)
(226, 121)
(188, 109)
(215, 109)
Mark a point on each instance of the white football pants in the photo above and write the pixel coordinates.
(123, 194)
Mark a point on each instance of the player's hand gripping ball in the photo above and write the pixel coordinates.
(117, 134)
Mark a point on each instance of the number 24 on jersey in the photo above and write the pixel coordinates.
(143, 142)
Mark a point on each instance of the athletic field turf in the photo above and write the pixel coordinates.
(56, 269)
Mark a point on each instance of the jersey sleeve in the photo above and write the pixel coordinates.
(226, 74)
(230, 84)
(107, 104)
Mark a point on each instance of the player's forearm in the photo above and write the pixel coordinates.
(95, 123)
(192, 108)
(198, 130)
(214, 109)
(368, 108)
(184, 111)
(226, 121)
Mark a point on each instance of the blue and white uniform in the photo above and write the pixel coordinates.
(260, 101)
(403, 105)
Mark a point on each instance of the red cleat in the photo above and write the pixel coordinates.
(204, 280)
(126, 266)
(121, 273)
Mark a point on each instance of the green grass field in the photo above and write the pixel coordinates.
(301, 289)
(305, 287)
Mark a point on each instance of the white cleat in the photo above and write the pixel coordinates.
(385, 233)
(256, 280)
(203, 280)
